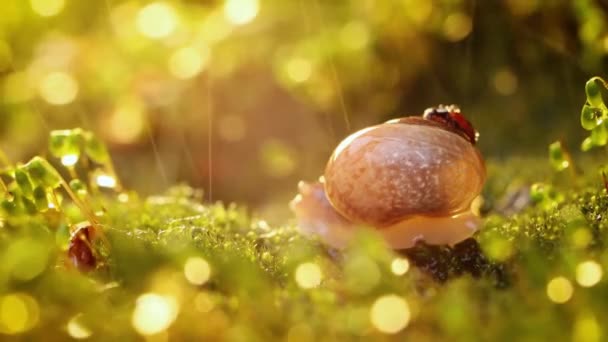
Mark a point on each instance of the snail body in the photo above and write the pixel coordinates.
(412, 179)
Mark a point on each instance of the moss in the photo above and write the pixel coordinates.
(490, 287)
(128, 263)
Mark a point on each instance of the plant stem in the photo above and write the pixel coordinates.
(55, 200)
(4, 187)
(86, 210)
(72, 172)
(601, 80)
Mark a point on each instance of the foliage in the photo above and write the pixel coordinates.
(594, 114)
(169, 266)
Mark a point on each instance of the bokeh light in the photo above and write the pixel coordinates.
(354, 35)
(308, 275)
(47, 8)
(19, 312)
(278, 159)
(69, 160)
(154, 313)
(187, 62)
(400, 266)
(105, 181)
(127, 123)
(241, 12)
(581, 238)
(505, 82)
(390, 314)
(586, 329)
(457, 26)
(216, 27)
(588, 273)
(559, 290)
(197, 270)
(298, 69)
(157, 20)
(76, 328)
(418, 11)
(58, 88)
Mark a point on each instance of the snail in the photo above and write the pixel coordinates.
(411, 179)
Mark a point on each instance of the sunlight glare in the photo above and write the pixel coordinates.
(308, 275)
(156, 20)
(390, 314)
(69, 160)
(58, 88)
(187, 62)
(105, 181)
(47, 8)
(457, 26)
(76, 329)
(505, 82)
(197, 270)
(588, 273)
(154, 313)
(240, 12)
(559, 290)
(298, 69)
(400, 266)
(19, 312)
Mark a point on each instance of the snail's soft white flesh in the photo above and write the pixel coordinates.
(412, 180)
(316, 217)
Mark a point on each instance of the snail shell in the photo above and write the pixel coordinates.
(412, 178)
(386, 173)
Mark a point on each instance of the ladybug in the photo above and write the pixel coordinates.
(452, 118)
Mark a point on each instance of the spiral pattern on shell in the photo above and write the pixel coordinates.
(386, 173)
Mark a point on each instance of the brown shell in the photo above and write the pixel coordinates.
(386, 173)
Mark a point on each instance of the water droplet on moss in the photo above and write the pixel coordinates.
(594, 95)
(590, 117)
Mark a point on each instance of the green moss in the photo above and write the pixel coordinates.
(123, 273)
(490, 287)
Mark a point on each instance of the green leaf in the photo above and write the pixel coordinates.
(42, 173)
(9, 206)
(557, 157)
(29, 205)
(587, 144)
(65, 142)
(594, 95)
(95, 149)
(23, 181)
(40, 198)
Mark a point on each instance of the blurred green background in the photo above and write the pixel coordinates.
(245, 97)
